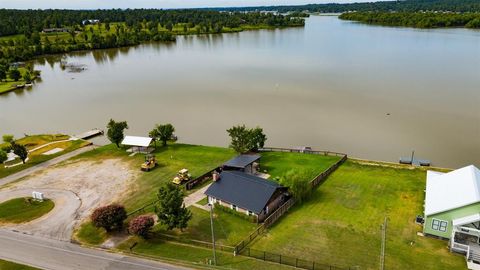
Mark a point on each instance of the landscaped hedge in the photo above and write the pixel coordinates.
(236, 213)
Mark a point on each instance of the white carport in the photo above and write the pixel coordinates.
(138, 144)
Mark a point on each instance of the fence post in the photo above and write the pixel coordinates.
(280, 258)
(248, 252)
(296, 262)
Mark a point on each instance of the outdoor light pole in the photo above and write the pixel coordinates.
(213, 234)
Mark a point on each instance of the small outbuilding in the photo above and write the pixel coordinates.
(246, 193)
(244, 163)
(452, 208)
(138, 144)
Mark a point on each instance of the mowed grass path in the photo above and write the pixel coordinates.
(341, 224)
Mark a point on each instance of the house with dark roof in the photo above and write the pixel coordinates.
(244, 163)
(246, 193)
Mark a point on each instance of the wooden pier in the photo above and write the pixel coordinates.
(89, 134)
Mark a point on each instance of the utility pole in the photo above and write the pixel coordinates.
(213, 234)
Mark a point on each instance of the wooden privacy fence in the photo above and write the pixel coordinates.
(303, 151)
(202, 178)
(319, 179)
(277, 214)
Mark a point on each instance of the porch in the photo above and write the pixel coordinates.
(466, 239)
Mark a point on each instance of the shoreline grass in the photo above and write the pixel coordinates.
(7, 265)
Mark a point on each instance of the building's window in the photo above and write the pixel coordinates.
(249, 212)
(439, 225)
(234, 207)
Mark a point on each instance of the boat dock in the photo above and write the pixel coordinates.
(89, 134)
(415, 162)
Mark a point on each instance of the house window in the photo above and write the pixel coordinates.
(249, 213)
(439, 225)
(234, 207)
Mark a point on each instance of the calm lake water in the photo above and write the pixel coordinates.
(372, 92)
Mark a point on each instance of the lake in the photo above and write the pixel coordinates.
(371, 92)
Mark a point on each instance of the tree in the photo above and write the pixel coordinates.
(244, 139)
(8, 138)
(27, 77)
(115, 131)
(109, 217)
(170, 208)
(14, 74)
(298, 184)
(141, 225)
(163, 133)
(20, 150)
(3, 156)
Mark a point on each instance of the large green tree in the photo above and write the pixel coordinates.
(14, 74)
(245, 139)
(20, 150)
(162, 133)
(170, 208)
(8, 138)
(115, 131)
(298, 184)
(3, 156)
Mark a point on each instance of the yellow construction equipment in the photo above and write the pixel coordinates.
(150, 163)
(182, 176)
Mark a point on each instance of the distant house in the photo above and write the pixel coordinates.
(452, 209)
(90, 21)
(246, 193)
(243, 163)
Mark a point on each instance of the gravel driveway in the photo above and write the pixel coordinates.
(76, 188)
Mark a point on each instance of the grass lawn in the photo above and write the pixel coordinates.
(194, 255)
(229, 229)
(89, 234)
(203, 201)
(277, 164)
(20, 210)
(341, 223)
(37, 156)
(5, 265)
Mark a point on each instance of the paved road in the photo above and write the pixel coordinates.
(57, 255)
(43, 165)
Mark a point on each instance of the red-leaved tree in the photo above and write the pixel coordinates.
(110, 217)
(141, 225)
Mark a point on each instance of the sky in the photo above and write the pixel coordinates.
(106, 4)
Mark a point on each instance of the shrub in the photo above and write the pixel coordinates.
(141, 225)
(230, 211)
(109, 217)
(298, 184)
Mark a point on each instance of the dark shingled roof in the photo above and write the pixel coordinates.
(241, 161)
(243, 190)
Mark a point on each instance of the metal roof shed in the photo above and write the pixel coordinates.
(139, 144)
(241, 163)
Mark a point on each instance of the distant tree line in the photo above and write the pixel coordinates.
(27, 22)
(118, 28)
(400, 6)
(416, 19)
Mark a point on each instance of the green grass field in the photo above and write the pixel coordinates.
(20, 210)
(36, 157)
(229, 229)
(87, 233)
(171, 159)
(8, 84)
(277, 163)
(341, 223)
(5, 265)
